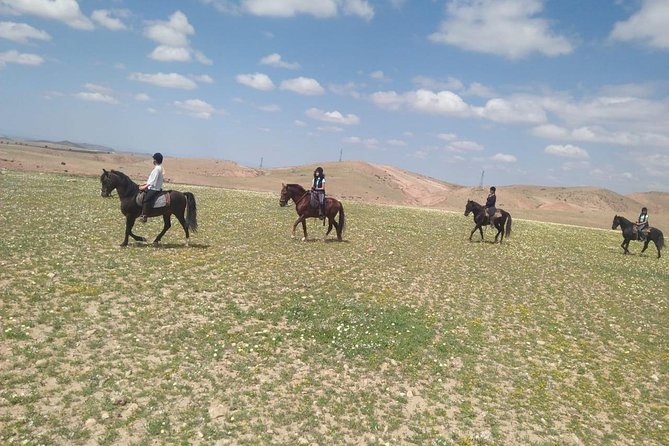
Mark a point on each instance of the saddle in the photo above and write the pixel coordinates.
(313, 200)
(645, 231)
(162, 200)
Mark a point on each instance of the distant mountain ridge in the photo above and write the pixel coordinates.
(350, 181)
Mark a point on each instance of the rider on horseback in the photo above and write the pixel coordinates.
(318, 188)
(642, 223)
(490, 205)
(153, 185)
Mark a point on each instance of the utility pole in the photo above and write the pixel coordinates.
(341, 151)
(261, 162)
(481, 182)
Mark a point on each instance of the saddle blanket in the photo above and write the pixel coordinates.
(161, 201)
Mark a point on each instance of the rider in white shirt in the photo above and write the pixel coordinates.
(153, 185)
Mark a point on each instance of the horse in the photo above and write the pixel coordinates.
(301, 197)
(630, 233)
(177, 203)
(481, 219)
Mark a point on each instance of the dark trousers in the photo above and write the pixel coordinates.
(149, 198)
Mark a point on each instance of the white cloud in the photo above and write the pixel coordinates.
(21, 33)
(13, 56)
(66, 11)
(508, 28)
(96, 97)
(172, 37)
(275, 60)
(378, 75)
(504, 158)
(299, 123)
(174, 32)
(447, 136)
(110, 19)
(196, 108)
(303, 85)
(465, 146)
(550, 131)
(333, 116)
(97, 88)
(200, 57)
(515, 109)
(396, 142)
(349, 89)
(142, 97)
(168, 80)
(203, 78)
(443, 102)
(259, 81)
(370, 143)
(166, 53)
(567, 151)
(648, 25)
(388, 100)
(426, 101)
(291, 8)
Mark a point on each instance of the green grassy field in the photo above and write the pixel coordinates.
(405, 333)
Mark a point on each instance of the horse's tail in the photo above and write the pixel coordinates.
(508, 225)
(660, 240)
(342, 218)
(191, 211)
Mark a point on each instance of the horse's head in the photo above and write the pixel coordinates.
(285, 196)
(616, 222)
(108, 183)
(469, 207)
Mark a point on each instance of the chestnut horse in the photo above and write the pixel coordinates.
(178, 204)
(302, 197)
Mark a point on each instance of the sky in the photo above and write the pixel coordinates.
(544, 92)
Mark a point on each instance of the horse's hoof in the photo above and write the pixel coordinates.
(304, 239)
(123, 245)
(292, 236)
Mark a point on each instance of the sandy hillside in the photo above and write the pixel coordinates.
(350, 181)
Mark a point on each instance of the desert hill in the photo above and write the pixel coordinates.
(349, 181)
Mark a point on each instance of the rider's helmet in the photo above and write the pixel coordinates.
(493, 188)
(158, 157)
(644, 210)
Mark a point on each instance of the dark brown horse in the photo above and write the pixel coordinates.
(502, 218)
(302, 197)
(179, 204)
(630, 233)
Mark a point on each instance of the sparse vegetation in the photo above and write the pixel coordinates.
(404, 333)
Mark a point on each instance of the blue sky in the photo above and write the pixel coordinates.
(550, 92)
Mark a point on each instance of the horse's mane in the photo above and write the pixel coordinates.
(623, 219)
(130, 186)
(296, 186)
(124, 178)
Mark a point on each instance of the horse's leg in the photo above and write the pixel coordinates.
(473, 231)
(182, 220)
(624, 246)
(166, 225)
(500, 229)
(297, 222)
(645, 245)
(135, 237)
(304, 228)
(129, 222)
